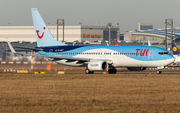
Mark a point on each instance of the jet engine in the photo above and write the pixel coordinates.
(136, 68)
(97, 65)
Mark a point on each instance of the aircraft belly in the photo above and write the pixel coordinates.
(120, 61)
(124, 61)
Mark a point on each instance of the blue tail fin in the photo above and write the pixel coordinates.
(43, 35)
(175, 49)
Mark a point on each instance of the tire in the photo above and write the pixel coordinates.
(87, 71)
(112, 71)
(159, 71)
(115, 71)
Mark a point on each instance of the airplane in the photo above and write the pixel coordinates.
(175, 49)
(96, 57)
(176, 53)
(21, 58)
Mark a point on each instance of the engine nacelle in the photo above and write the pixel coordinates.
(97, 65)
(136, 68)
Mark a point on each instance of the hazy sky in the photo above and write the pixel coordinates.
(92, 12)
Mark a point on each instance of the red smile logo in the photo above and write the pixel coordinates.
(37, 31)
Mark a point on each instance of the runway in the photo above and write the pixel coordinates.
(128, 72)
(75, 72)
(12, 67)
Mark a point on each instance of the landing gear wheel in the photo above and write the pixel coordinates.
(87, 71)
(112, 71)
(159, 71)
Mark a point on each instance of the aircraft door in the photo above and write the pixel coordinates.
(50, 52)
(150, 55)
(102, 54)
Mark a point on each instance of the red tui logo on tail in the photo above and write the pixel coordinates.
(40, 37)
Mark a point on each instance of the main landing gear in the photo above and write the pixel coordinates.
(112, 70)
(87, 71)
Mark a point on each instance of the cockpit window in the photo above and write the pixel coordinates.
(162, 53)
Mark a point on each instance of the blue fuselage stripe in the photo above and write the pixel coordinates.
(143, 53)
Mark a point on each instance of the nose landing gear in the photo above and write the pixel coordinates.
(159, 71)
(160, 68)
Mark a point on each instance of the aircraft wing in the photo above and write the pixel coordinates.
(12, 49)
(62, 58)
(28, 48)
(52, 57)
(70, 59)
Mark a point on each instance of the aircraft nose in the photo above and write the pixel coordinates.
(172, 59)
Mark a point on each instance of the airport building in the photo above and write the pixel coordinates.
(77, 35)
(25, 36)
(154, 36)
(146, 32)
(71, 33)
(145, 26)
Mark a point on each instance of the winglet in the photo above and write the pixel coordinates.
(11, 48)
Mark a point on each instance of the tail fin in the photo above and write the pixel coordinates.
(43, 35)
(175, 49)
